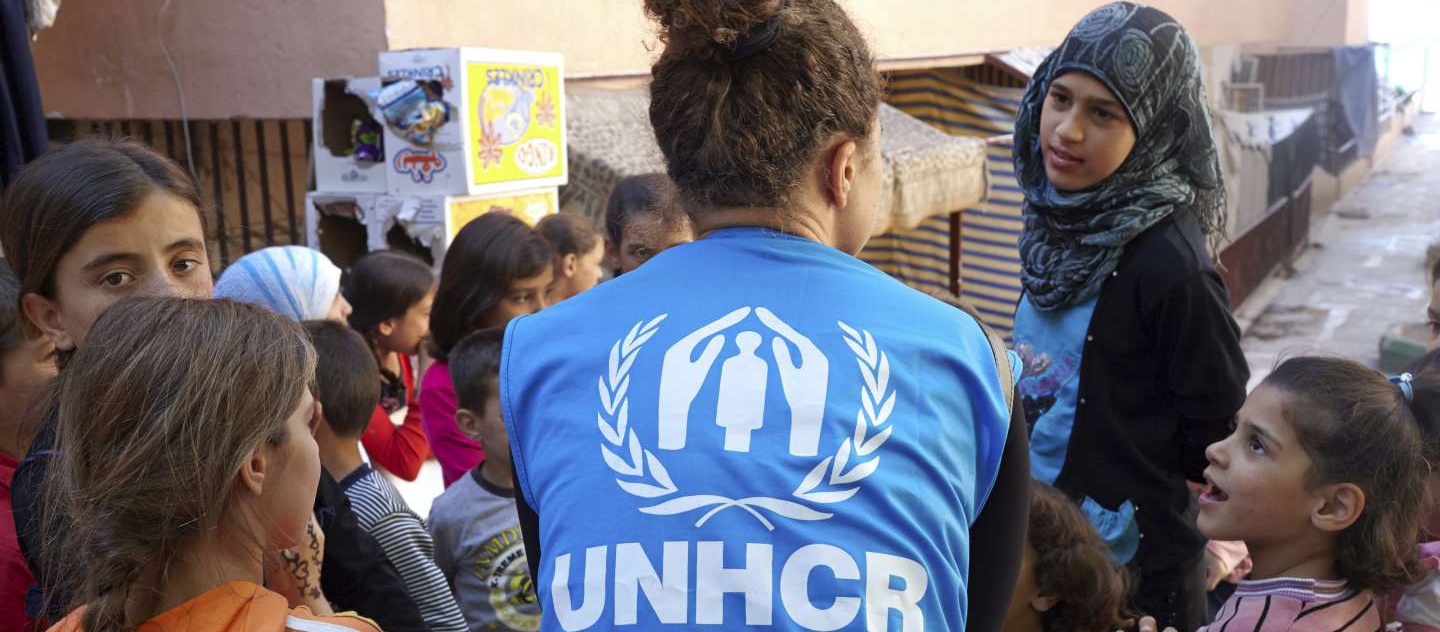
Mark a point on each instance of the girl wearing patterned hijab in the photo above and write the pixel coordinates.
(1132, 359)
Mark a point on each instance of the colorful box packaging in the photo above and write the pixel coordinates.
(343, 162)
(473, 121)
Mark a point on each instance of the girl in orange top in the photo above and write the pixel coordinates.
(186, 469)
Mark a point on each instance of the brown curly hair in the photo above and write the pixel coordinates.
(1073, 565)
(739, 130)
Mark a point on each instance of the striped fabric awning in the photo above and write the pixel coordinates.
(980, 101)
(927, 173)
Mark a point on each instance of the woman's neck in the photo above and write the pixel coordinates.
(799, 223)
(210, 562)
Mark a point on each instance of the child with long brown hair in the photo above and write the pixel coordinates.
(496, 269)
(177, 494)
(1068, 583)
(88, 225)
(1323, 479)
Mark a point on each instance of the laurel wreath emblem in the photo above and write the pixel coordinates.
(835, 479)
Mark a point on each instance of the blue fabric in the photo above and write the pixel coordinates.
(289, 280)
(22, 119)
(1051, 344)
(761, 401)
(1118, 528)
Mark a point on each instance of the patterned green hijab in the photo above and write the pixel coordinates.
(1073, 239)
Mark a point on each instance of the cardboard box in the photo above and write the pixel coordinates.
(342, 225)
(429, 223)
(338, 103)
(506, 130)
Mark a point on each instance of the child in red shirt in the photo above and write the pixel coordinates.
(390, 293)
(26, 364)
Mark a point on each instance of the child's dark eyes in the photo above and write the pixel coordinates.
(116, 279)
(1104, 115)
(185, 265)
(1256, 445)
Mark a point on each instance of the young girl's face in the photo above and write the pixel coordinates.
(526, 296)
(644, 236)
(408, 331)
(156, 250)
(1085, 133)
(1026, 602)
(288, 497)
(583, 274)
(1258, 490)
(339, 309)
(24, 370)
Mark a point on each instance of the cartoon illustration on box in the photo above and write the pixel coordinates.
(515, 122)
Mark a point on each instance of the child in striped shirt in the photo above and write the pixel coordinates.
(347, 390)
(1323, 479)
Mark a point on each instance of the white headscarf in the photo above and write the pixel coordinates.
(290, 280)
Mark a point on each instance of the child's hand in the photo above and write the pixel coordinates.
(1147, 624)
(295, 572)
(1215, 570)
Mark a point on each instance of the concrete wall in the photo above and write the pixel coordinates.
(251, 58)
(254, 57)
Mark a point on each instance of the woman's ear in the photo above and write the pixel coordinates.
(45, 315)
(567, 265)
(252, 473)
(840, 173)
(386, 327)
(1341, 506)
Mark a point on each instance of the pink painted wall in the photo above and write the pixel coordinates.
(255, 58)
(251, 58)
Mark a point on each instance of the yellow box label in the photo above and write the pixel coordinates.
(517, 125)
(531, 207)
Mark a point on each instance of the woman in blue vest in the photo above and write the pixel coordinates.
(1132, 360)
(757, 429)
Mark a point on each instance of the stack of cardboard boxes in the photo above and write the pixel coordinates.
(471, 131)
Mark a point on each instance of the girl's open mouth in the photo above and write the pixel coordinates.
(1212, 493)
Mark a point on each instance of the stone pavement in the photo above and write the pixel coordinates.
(1365, 270)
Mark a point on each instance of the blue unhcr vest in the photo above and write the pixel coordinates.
(753, 430)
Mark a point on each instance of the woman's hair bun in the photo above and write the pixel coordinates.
(706, 22)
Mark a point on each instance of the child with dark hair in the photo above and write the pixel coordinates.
(578, 251)
(477, 533)
(391, 294)
(643, 217)
(1323, 479)
(346, 390)
(26, 363)
(1068, 582)
(1417, 607)
(94, 222)
(497, 268)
